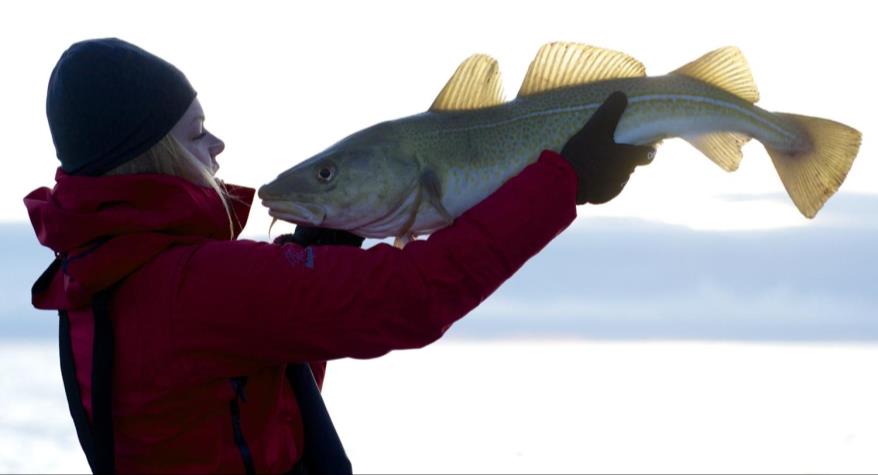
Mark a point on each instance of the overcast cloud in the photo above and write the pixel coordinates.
(612, 278)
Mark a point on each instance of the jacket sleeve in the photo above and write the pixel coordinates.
(271, 303)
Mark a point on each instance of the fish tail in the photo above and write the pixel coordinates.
(814, 173)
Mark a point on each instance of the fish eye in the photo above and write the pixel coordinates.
(325, 173)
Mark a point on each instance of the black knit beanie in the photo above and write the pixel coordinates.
(109, 101)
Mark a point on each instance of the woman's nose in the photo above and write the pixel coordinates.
(217, 148)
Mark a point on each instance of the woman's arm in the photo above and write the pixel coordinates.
(285, 303)
(269, 304)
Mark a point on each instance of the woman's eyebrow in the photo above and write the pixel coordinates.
(200, 117)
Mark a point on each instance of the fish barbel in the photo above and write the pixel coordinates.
(414, 175)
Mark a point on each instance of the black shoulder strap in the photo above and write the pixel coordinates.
(96, 438)
(68, 369)
(102, 384)
(71, 387)
(324, 453)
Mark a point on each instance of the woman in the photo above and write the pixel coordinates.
(178, 341)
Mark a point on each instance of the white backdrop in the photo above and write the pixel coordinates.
(280, 81)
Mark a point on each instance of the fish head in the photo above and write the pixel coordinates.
(348, 186)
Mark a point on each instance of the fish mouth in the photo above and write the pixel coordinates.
(309, 214)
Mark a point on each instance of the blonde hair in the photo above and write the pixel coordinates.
(169, 157)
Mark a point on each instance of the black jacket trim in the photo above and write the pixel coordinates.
(238, 385)
(71, 387)
(323, 452)
(96, 438)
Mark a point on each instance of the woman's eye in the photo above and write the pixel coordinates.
(325, 174)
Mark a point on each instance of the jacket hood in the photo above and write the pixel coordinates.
(103, 228)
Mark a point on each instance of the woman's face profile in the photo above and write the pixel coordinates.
(190, 132)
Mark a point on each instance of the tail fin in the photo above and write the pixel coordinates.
(813, 175)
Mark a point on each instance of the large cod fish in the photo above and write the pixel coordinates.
(414, 175)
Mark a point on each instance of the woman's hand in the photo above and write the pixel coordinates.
(603, 166)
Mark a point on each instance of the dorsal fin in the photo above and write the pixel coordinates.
(725, 68)
(476, 84)
(560, 65)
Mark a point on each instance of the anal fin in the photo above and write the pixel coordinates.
(724, 148)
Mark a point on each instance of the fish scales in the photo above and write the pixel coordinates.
(476, 151)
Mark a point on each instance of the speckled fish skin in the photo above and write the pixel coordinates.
(476, 151)
(473, 152)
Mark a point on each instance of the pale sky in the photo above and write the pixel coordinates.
(280, 81)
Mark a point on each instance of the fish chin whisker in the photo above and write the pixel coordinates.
(309, 219)
(273, 220)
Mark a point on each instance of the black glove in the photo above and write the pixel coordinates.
(603, 166)
(310, 236)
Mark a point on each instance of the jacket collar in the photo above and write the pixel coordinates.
(103, 228)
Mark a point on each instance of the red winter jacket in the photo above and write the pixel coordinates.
(193, 308)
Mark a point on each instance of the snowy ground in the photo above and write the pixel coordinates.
(544, 406)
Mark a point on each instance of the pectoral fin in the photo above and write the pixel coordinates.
(405, 232)
(432, 189)
(401, 241)
(429, 189)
